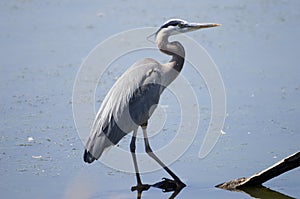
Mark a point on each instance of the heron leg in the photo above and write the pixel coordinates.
(149, 151)
(140, 187)
(132, 150)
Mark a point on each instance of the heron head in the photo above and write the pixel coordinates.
(177, 26)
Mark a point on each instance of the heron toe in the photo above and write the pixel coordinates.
(169, 185)
(140, 187)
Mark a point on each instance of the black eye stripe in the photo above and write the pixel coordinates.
(171, 23)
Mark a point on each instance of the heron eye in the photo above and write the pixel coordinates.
(180, 25)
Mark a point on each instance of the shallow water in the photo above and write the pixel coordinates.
(43, 44)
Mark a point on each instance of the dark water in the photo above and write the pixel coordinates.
(43, 44)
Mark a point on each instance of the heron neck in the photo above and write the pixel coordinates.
(175, 49)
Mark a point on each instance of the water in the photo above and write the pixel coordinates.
(43, 44)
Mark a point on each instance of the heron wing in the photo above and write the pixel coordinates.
(145, 98)
(128, 104)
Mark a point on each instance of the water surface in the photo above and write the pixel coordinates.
(43, 44)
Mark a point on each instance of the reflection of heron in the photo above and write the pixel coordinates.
(131, 101)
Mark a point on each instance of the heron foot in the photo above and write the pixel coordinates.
(140, 187)
(168, 185)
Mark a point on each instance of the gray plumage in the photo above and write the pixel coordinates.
(126, 106)
(133, 98)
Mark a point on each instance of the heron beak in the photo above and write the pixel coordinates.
(196, 26)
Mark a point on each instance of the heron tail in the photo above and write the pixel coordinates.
(88, 157)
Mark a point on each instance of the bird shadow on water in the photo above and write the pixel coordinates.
(166, 185)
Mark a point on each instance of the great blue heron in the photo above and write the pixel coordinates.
(133, 98)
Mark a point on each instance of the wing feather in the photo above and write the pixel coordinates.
(129, 103)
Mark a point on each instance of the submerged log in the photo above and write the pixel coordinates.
(258, 179)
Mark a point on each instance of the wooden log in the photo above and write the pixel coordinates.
(287, 164)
